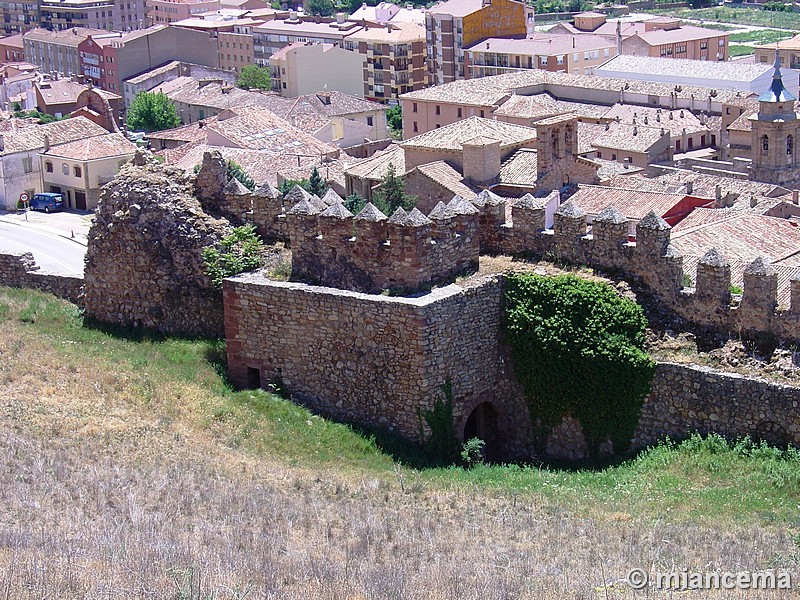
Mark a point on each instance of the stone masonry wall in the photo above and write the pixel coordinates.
(19, 269)
(144, 261)
(373, 359)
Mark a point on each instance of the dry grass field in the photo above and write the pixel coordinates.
(128, 469)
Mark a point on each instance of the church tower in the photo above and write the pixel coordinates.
(775, 134)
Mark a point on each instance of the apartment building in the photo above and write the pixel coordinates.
(12, 48)
(19, 17)
(168, 11)
(579, 55)
(118, 15)
(395, 59)
(274, 35)
(305, 68)
(455, 25)
(57, 51)
(658, 37)
(107, 61)
(789, 51)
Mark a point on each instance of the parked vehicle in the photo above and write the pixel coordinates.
(48, 202)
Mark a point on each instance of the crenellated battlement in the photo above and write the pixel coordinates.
(370, 252)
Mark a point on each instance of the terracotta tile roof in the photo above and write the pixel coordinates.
(540, 106)
(94, 148)
(393, 33)
(59, 132)
(451, 137)
(376, 166)
(147, 75)
(64, 91)
(67, 37)
(446, 176)
(339, 104)
(220, 96)
(520, 169)
(331, 171)
(743, 121)
(257, 128)
(486, 91)
(587, 133)
(792, 43)
(14, 41)
(634, 204)
(630, 138)
(185, 133)
(262, 167)
(737, 234)
(542, 45)
(684, 33)
(609, 169)
(714, 70)
(674, 121)
(703, 184)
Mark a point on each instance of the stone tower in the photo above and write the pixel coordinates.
(775, 134)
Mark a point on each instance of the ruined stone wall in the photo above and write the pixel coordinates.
(144, 263)
(650, 260)
(373, 359)
(19, 269)
(369, 253)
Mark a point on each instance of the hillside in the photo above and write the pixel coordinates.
(131, 470)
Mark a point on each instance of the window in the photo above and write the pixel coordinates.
(542, 60)
(48, 166)
(560, 59)
(605, 52)
(27, 165)
(459, 112)
(78, 172)
(704, 45)
(613, 156)
(789, 145)
(414, 107)
(482, 114)
(65, 169)
(576, 57)
(438, 109)
(586, 55)
(438, 125)
(764, 144)
(369, 121)
(416, 127)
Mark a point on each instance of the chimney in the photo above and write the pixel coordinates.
(689, 187)
(718, 192)
(2, 142)
(46, 143)
(753, 201)
(795, 196)
(200, 124)
(340, 18)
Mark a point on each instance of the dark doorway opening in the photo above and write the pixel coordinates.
(482, 424)
(80, 200)
(253, 378)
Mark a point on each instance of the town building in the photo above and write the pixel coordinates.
(739, 76)
(387, 12)
(657, 37)
(107, 61)
(455, 25)
(577, 54)
(395, 59)
(59, 97)
(19, 17)
(12, 48)
(20, 170)
(304, 68)
(789, 51)
(117, 15)
(80, 168)
(148, 80)
(57, 51)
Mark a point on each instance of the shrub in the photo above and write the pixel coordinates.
(235, 171)
(472, 452)
(241, 251)
(442, 445)
(578, 349)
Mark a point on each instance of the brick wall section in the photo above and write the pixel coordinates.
(374, 359)
(18, 269)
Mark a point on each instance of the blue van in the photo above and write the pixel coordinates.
(48, 202)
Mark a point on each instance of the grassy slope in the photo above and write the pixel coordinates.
(740, 16)
(134, 463)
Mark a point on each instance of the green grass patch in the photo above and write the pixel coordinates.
(742, 16)
(698, 480)
(761, 36)
(740, 50)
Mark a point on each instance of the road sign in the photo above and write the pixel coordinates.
(23, 197)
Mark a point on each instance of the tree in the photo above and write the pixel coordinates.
(323, 8)
(354, 203)
(394, 119)
(391, 195)
(240, 251)
(317, 183)
(235, 171)
(288, 184)
(151, 111)
(254, 77)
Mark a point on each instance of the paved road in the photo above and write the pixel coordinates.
(52, 252)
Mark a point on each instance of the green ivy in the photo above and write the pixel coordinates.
(241, 251)
(578, 349)
(442, 445)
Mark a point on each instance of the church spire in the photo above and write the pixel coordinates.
(777, 92)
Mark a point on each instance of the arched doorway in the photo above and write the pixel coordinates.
(482, 424)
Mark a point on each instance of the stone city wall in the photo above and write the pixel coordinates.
(372, 359)
(19, 269)
(369, 253)
(650, 259)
